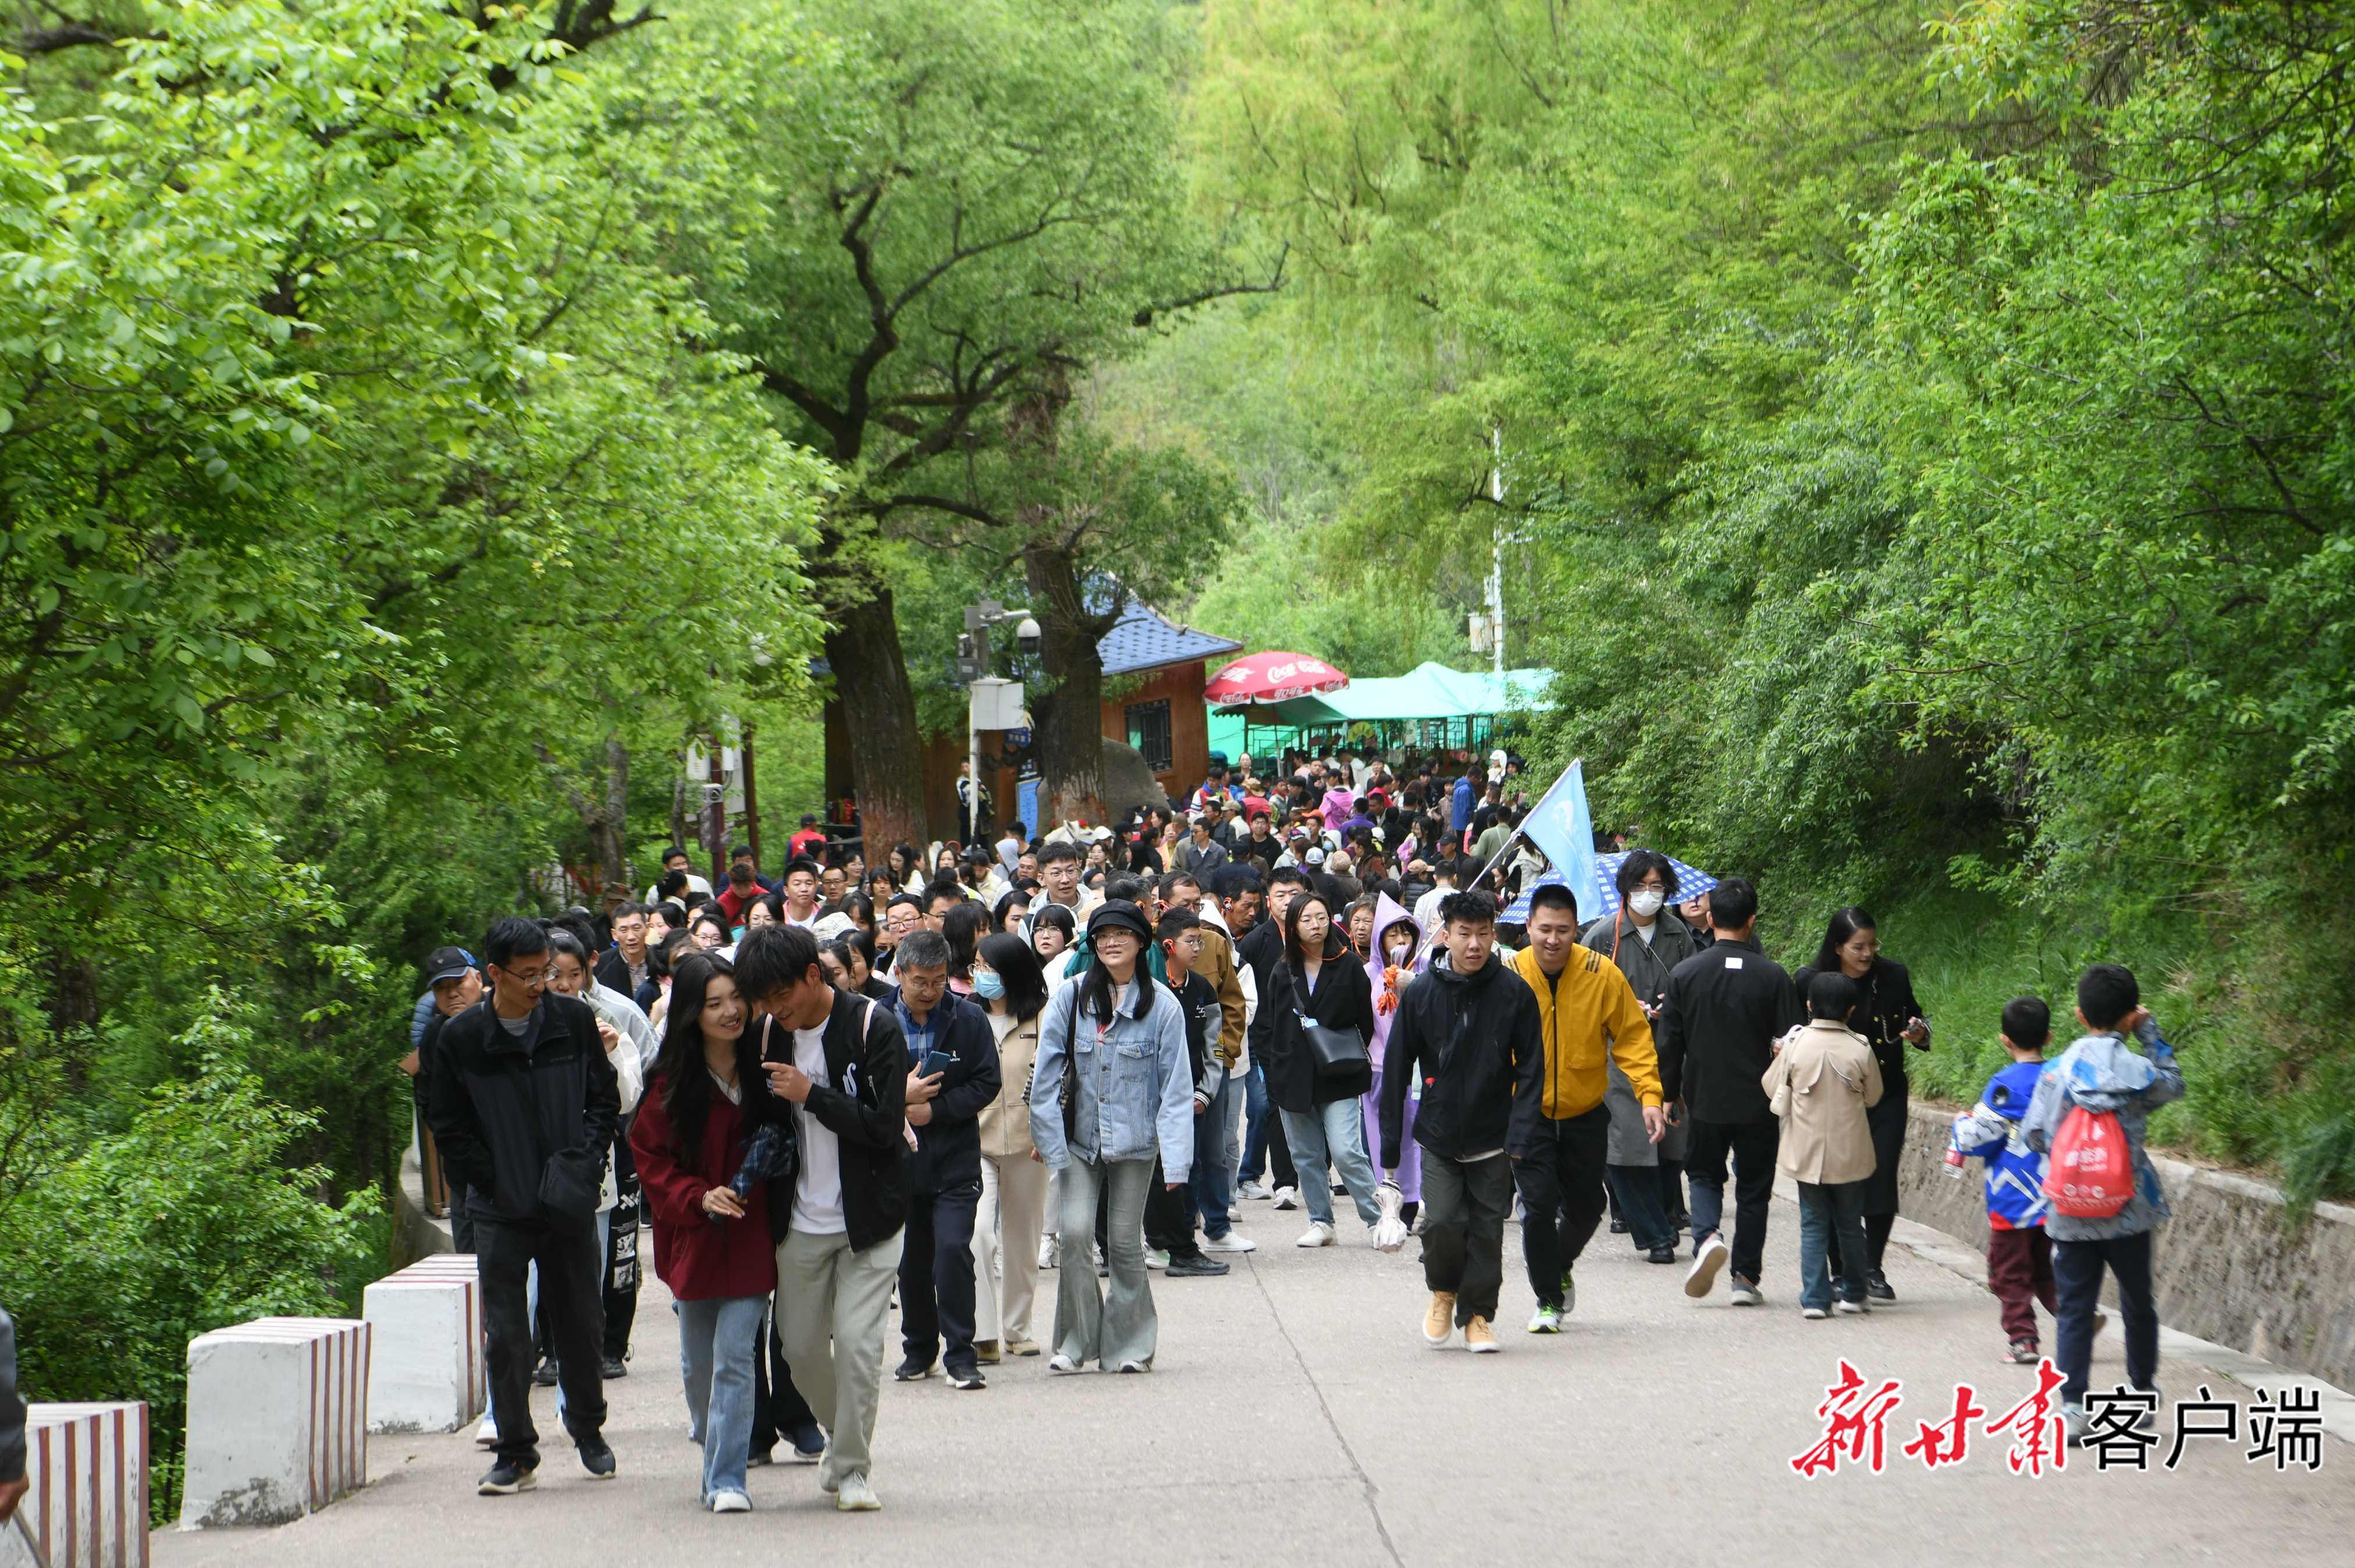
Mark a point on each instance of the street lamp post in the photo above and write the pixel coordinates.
(992, 702)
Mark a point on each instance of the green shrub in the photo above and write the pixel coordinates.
(183, 1223)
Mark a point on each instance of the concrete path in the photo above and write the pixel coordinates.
(1297, 1418)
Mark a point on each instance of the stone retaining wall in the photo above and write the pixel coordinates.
(2225, 1271)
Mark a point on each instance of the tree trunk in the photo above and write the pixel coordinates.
(886, 756)
(751, 798)
(612, 834)
(1066, 719)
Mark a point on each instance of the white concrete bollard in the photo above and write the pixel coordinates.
(425, 1366)
(277, 1420)
(87, 1465)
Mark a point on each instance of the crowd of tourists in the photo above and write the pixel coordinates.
(932, 1077)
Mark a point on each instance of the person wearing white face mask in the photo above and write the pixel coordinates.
(1647, 939)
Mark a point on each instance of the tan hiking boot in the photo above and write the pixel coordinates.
(1439, 1323)
(1479, 1338)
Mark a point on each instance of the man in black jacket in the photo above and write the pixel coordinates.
(845, 1070)
(1261, 950)
(944, 1108)
(1726, 1007)
(623, 967)
(1467, 1031)
(523, 1105)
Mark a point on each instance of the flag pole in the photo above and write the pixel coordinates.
(1430, 939)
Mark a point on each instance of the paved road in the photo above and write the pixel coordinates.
(1297, 1418)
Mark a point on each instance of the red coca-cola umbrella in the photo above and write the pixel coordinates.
(1272, 678)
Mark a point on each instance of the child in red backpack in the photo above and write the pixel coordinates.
(2020, 1255)
(2104, 1077)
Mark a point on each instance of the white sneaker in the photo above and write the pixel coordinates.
(1156, 1259)
(1254, 1188)
(730, 1502)
(1703, 1277)
(1855, 1309)
(1060, 1362)
(487, 1434)
(855, 1496)
(1047, 1253)
(1228, 1243)
(1288, 1197)
(1319, 1233)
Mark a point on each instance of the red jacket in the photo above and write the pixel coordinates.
(698, 1259)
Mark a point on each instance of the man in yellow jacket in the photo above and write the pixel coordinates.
(1561, 1135)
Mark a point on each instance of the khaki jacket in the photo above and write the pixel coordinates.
(1218, 967)
(1823, 1076)
(1006, 1120)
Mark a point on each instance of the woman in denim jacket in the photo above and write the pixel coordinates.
(1119, 1036)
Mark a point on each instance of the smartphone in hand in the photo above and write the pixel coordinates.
(936, 1064)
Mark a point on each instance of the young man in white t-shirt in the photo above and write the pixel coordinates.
(840, 1060)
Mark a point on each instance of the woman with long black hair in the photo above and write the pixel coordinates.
(1890, 1017)
(963, 925)
(1011, 986)
(1318, 984)
(715, 1246)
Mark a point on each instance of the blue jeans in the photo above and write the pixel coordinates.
(1334, 1131)
(1828, 1213)
(716, 1341)
(1212, 1188)
(1255, 1112)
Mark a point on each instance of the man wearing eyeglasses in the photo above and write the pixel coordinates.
(523, 1103)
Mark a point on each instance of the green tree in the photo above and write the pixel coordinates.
(988, 206)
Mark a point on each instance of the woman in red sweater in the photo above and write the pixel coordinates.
(712, 1246)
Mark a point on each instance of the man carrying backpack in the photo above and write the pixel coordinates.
(2088, 1113)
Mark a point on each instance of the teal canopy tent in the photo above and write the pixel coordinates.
(1430, 705)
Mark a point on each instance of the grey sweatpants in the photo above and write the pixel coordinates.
(833, 1304)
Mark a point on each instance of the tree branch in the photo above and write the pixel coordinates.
(1275, 284)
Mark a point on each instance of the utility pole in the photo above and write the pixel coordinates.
(990, 703)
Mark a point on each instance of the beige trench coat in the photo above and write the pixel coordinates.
(1830, 1075)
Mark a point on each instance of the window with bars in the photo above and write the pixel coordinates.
(1148, 731)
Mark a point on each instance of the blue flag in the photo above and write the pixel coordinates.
(1561, 825)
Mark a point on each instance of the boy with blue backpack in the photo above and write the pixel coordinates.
(2089, 1113)
(2019, 1254)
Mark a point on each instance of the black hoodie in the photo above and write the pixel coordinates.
(1473, 1041)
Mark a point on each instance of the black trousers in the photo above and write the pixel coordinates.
(1168, 1218)
(936, 1276)
(2077, 1280)
(620, 1284)
(779, 1411)
(504, 1251)
(1463, 1207)
(1560, 1183)
(1752, 1145)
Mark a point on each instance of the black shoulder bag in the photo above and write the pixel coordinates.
(1333, 1050)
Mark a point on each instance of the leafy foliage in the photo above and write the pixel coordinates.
(184, 1222)
(1929, 431)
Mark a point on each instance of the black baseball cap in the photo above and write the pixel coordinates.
(448, 963)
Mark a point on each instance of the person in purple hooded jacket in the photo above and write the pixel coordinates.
(1390, 963)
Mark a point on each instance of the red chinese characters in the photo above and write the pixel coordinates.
(1855, 1428)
